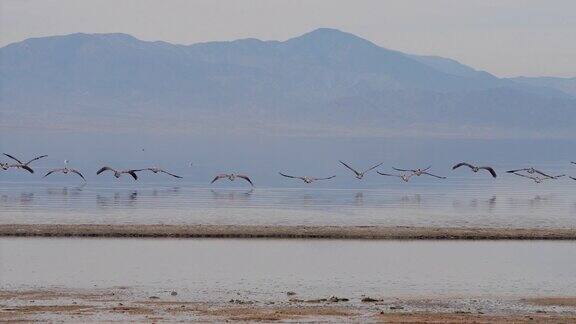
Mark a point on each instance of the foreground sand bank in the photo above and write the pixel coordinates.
(295, 232)
(123, 304)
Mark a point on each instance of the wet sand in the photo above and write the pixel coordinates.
(125, 304)
(205, 280)
(296, 232)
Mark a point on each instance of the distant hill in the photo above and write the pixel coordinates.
(325, 82)
(566, 85)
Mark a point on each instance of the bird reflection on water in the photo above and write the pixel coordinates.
(227, 195)
(66, 191)
(166, 192)
(26, 198)
(359, 198)
(117, 200)
(534, 203)
(475, 204)
(414, 200)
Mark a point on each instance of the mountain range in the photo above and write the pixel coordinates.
(325, 83)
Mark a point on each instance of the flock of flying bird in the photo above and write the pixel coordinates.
(405, 174)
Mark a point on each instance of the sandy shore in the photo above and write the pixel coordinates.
(296, 232)
(124, 304)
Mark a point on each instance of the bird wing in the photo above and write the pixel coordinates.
(349, 167)
(387, 174)
(374, 167)
(542, 173)
(245, 178)
(288, 176)
(78, 173)
(403, 170)
(525, 176)
(36, 158)
(106, 168)
(27, 168)
(427, 168)
(220, 176)
(132, 173)
(170, 174)
(21, 166)
(489, 169)
(514, 171)
(13, 158)
(52, 171)
(433, 175)
(572, 178)
(326, 178)
(462, 164)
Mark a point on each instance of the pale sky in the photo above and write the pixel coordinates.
(504, 37)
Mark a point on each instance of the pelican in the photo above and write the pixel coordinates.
(404, 177)
(475, 168)
(65, 170)
(306, 179)
(156, 170)
(232, 177)
(531, 170)
(20, 164)
(360, 175)
(119, 173)
(418, 172)
(538, 179)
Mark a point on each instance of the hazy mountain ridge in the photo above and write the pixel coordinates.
(566, 85)
(325, 78)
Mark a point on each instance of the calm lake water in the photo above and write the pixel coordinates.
(464, 199)
(218, 270)
(452, 202)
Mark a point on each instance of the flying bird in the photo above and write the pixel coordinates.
(156, 170)
(475, 168)
(418, 172)
(65, 170)
(20, 164)
(119, 173)
(231, 177)
(531, 171)
(306, 179)
(538, 179)
(360, 175)
(404, 177)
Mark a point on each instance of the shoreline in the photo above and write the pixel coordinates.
(284, 232)
(126, 304)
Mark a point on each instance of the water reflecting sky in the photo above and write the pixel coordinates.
(218, 270)
(454, 202)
